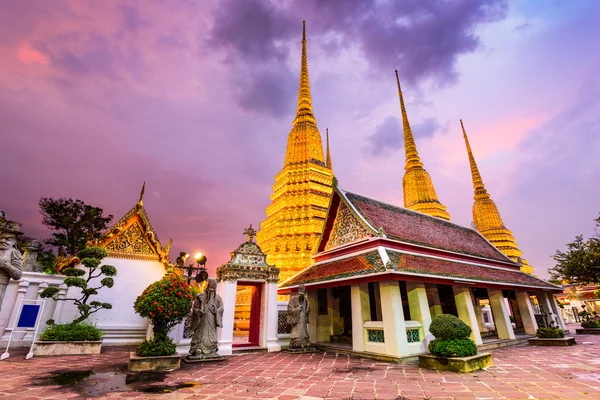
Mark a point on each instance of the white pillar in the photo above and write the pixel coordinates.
(394, 328)
(227, 291)
(526, 311)
(60, 305)
(419, 310)
(272, 316)
(313, 316)
(557, 311)
(359, 301)
(466, 311)
(433, 298)
(501, 314)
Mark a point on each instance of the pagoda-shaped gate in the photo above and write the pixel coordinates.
(248, 268)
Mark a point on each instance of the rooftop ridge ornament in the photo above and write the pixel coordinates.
(250, 233)
(140, 201)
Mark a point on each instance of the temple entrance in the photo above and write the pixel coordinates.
(246, 325)
(447, 300)
(334, 316)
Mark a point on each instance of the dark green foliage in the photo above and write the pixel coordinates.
(447, 326)
(592, 323)
(581, 262)
(71, 332)
(550, 333)
(73, 223)
(157, 346)
(91, 258)
(453, 348)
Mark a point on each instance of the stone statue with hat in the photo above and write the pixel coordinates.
(10, 257)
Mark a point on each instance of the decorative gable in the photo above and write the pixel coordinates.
(132, 242)
(347, 228)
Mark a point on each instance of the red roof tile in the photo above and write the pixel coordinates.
(409, 226)
(457, 270)
(363, 264)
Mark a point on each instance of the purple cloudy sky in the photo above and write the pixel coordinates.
(197, 98)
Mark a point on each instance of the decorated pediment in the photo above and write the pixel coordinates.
(347, 228)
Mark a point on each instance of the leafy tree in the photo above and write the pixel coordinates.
(91, 258)
(581, 262)
(73, 223)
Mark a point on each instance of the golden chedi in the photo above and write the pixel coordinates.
(487, 219)
(419, 193)
(302, 190)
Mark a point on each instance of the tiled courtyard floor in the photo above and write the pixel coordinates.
(522, 372)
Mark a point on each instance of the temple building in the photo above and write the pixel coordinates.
(487, 219)
(419, 193)
(302, 191)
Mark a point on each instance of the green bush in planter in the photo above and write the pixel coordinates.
(592, 323)
(550, 333)
(165, 303)
(451, 337)
(73, 332)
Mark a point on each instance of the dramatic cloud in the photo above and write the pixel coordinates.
(389, 137)
(421, 39)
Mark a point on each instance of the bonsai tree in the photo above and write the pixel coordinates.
(588, 320)
(84, 279)
(166, 303)
(451, 337)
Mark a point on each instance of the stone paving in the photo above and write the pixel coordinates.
(522, 372)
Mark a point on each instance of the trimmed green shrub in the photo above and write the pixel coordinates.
(447, 326)
(592, 323)
(549, 333)
(453, 348)
(72, 332)
(157, 346)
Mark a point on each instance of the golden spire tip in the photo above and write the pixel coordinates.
(304, 30)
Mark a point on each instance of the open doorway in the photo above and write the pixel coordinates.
(246, 325)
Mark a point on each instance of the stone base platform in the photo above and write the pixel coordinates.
(154, 363)
(55, 348)
(203, 359)
(587, 331)
(456, 364)
(566, 341)
(302, 350)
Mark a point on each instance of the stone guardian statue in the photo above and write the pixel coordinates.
(206, 316)
(298, 311)
(10, 257)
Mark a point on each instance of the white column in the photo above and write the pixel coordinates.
(313, 316)
(501, 314)
(433, 298)
(227, 291)
(526, 311)
(272, 316)
(557, 311)
(466, 311)
(419, 310)
(394, 328)
(359, 301)
(58, 310)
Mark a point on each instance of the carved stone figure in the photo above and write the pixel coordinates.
(206, 317)
(30, 263)
(10, 257)
(298, 310)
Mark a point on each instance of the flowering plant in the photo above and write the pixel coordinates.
(166, 303)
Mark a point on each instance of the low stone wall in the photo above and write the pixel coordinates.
(587, 331)
(158, 363)
(566, 341)
(456, 364)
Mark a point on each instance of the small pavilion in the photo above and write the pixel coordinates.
(382, 272)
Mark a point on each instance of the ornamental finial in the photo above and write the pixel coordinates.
(250, 233)
(142, 194)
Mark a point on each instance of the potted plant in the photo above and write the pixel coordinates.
(79, 336)
(551, 337)
(452, 350)
(589, 323)
(166, 303)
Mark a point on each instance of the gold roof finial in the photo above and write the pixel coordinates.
(419, 193)
(250, 233)
(140, 201)
(304, 112)
(328, 161)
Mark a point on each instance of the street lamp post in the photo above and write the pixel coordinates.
(201, 274)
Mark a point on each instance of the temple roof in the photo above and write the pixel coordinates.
(133, 237)
(370, 264)
(413, 227)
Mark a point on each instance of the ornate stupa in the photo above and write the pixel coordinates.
(487, 219)
(419, 193)
(302, 191)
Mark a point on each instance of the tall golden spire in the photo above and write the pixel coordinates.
(486, 216)
(302, 190)
(304, 140)
(419, 193)
(328, 161)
